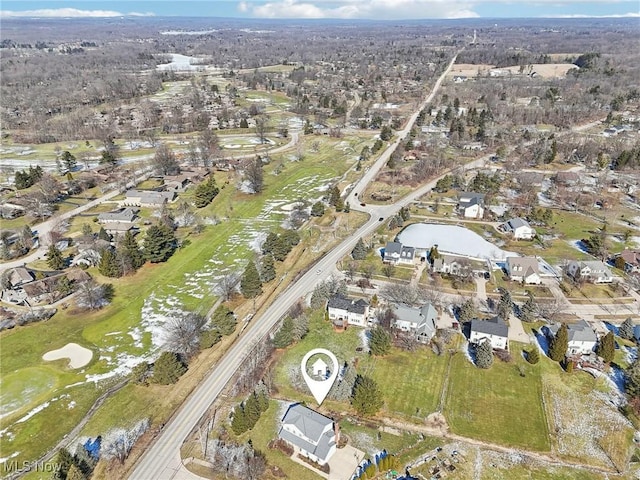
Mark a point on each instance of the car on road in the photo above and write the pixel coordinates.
(381, 219)
(319, 271)
(363, 204)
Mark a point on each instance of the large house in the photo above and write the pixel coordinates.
(519, 229)
(147, 198)
(582, 338)
(310, 434)
(395, 252)
(495, 330)
(523, 269)
(419, 320)
(452, 265)
(631, 260)
(344, 311)
(593, 271)
(123, 215)
(471, 205)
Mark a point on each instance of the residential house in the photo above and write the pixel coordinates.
(147, 198)
(495, 330)
(419, 320)
(593, 271)
(343, 311)
(395, 252)
(582, 338)
(123, 215)
(631, 260)
(471, 205)
(518, 228)
(523, 269)
(309, 433)
(19, 276)
(567, 178)
(452, 265)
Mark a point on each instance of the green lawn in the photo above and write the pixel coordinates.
(498, 405)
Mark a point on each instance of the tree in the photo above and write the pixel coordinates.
(164, 161)
(379, 341)
(317, 210)
(183, 334)
(108, 265)
(270, 243)
(254, 174)
(632, 379)
(130, 249)
(209, 146)
(533, 356)
(626, 329)
(267, 269)
(466, 311)
(168, 368)
(64, 461)
(484, 354)
(224, 320)
(108, 158)
(159, 243)
(607, 347)
(262, 125)
(528, 310)
(69, 162)
(388, 270)
(505, 304)
(206, 192)
(75, 473)
(55, 260)
(250, 284)
(366, 397)
(284, 336)
(239, 423)
(359, 252)
(334, 196)
(559, 344)
(92, 295)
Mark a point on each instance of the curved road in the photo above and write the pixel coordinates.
(162, 460)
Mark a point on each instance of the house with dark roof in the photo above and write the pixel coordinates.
(147, 198)
(122, 215)
(343, 311)
(582, 338)
(309, 433)
(523, 269)
(519, 228)
(495, 330)
(395, 252)
(593, 271)
(421, 321)
(471, 205)
(631, 260)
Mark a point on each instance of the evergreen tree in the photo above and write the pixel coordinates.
(505, 304)
(250, 284)
(103, 235)
(252, 410)
(267, 269)
(290, 237)
(129, 247)
(626, 329)
(284, 336)
(159, 243)
(533, 356)
(68, 160)
(317, 210)
(632, 379)
(559, 344)
(239, 422)
(244, 123)
(75, 473)
(484, 354)
(108, 265)
(607, 347)
(466, 311)
(108, 158)
(269, 243)
(280, 249)
(205, 192)
(64, 461)
(54, 258)
(224, 320)
(359, 252)
(367, 397)
(334, 196)
(168, 368)
(528, 310)
(342, 389)
(379, 341)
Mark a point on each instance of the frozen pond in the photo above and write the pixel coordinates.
(181, 63)
(451, 239)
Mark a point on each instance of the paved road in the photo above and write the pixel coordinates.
(162, 460)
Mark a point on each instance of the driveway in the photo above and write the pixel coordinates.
(343, 463)
(516, 331)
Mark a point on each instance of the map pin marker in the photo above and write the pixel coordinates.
(319, 388)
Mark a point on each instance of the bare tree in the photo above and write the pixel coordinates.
(93, 296)
(227, 287)
(254, 175)
(183, 334)
(164, 161)
(262, 125)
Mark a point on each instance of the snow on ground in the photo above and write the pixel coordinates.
(180, 63)
(13, 455)
(468, 353)
(452, 239)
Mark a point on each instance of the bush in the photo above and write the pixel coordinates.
(533, 356)
(504, 355)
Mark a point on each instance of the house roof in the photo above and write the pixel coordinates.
(580, 331)
(494, 326)
(408, 252)
(117, 226)
(123, 215)
(631, 256)
(150, 196)
(353, 306)
(468, 199)
(312, 425)
(393, 248)
(517, 223)
(529, 265)
(20, 275)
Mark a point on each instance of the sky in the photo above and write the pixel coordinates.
(339, 9)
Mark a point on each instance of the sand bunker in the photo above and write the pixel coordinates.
(78, 356)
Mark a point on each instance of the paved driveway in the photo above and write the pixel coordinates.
(343, 463)
(516, 330)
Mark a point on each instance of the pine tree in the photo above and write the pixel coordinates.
(632, 379)
(250, 284)
(168, 368)
(267, 269)
(206, 192)
(359, 252)
(626, 329)
(239, 422)
(270, 243)
(528, 310)
(223, 320)
(466, 311)
(533, 356)
(380, 341)
(64, 461)
(68, 160)
(103, 235)
(290, 237)
(484, 355)
(607, 347)
(54, 258)
(280, 249)
(317, 210)
(505, 305)
(252, 410)
(334, 196)
(367, 397)
(75, 473)
(284, 336)
(129, 247)
(108, 265)
(559, 344)
(159, 243)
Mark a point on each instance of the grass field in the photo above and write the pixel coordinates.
(497, 405)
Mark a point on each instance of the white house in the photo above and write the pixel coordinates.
(471, 205)
(582, 338)
(452, 265)
(419, 320)
(593, 271)
(519, 229)
(395, 252)
(310, 434)
(343, 311)
(495, 330)
(523, 269)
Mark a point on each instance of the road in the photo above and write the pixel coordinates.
(162, 460)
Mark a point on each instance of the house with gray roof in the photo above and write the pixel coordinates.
(309, 433)
(343, 311)
(495, 330)
(421, 321)
(593, 271)
(523, 269)
(122, 215)
(147, 198)
(395, 252)
(519, 228)
(452, 265)
(582, 338)
(471, 204)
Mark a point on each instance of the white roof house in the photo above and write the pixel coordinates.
(519, 228)
(319, 367)
(309, 433)
(523, 269)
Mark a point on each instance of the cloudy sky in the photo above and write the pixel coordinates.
(343, 9)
